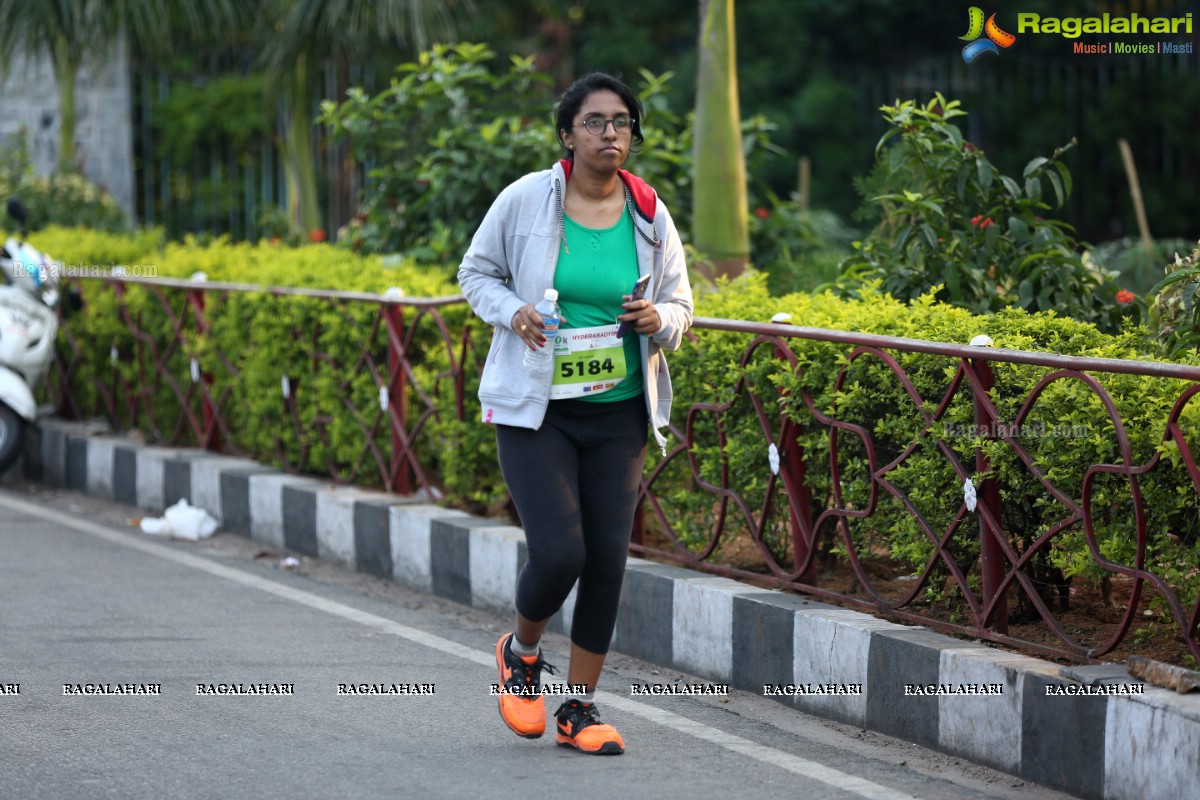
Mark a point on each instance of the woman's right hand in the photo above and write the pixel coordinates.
(527, 324)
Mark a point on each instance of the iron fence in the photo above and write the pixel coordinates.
(143, 368)
(391, 353)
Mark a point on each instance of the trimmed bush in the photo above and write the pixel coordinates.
(1067, 431)
(59, 200)
(328, 350)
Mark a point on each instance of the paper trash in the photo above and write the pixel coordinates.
(183, 521)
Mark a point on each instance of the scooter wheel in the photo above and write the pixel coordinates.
(11, 428)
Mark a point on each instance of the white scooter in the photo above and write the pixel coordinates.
(29, 297)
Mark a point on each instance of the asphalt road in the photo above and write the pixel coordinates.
(85, 599)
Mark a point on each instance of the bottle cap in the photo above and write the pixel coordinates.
(552, 294)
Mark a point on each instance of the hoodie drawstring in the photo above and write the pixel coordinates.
(652, 238)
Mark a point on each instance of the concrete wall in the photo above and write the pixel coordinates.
(103, 119)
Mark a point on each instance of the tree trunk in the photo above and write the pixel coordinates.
(720, 207)
(300, 173)
(65, 71)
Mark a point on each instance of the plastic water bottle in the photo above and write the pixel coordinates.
(541, 361)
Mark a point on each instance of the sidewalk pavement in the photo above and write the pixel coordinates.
(1091, 731)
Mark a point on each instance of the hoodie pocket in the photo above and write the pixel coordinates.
(497, 346)
(505, 374)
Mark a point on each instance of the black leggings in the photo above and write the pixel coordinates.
(574, 482)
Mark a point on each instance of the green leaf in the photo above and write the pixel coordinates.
(1018, 228)
(1033, 188)
(1014, 191)
(1033, 165)
(1189, 297)
(1065, 173)
(1056, 182)
(1173, 278)
(491, 130)
(1044, 300)
(884, 140)
(1025, 292)
(952, 133)
(983, 168)
(952, 279)
(961, 184)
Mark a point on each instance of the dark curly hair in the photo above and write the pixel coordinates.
(573, 98)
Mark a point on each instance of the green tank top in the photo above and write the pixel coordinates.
(599, 268)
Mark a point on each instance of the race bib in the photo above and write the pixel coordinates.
(587, 361)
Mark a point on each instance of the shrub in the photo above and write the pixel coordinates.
(949, 219)
(798, 249)
(1139, 266)
(104, 249)
(1175, 312)
(873, 398)
(450, 133)
(438, 145)
(59, 200)
(256, 339)
(326, 350)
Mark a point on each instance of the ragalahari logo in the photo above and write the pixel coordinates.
(996, 38)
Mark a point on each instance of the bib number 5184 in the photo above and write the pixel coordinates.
(592, 367)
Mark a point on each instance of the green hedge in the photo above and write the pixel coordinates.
(873, 398)
(326, 350)
(68, 199)
(256, 339)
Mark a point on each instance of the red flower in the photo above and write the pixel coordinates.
(982, 222)
(1125, 297)
(317, 236)
(762, 213)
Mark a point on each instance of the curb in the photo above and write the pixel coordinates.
(1115, 747)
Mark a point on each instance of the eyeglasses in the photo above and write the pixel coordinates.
(596, 126)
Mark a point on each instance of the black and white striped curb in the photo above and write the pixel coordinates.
(1024, 716)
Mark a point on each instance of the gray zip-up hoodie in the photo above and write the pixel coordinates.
(511, 262)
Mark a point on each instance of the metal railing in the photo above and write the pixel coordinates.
(142, 369)
(737, 532)
(1005, 563)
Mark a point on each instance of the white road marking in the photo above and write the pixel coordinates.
(767, 755)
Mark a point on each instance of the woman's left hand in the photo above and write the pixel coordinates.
(642, 314)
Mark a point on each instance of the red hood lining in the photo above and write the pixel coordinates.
(644, 197)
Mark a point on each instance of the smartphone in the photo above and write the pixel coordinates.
(637, 293)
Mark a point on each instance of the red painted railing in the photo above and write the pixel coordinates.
(386, 349)
(1003, 571)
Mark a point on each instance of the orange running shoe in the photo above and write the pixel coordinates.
(521, 704)
(579, 727)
